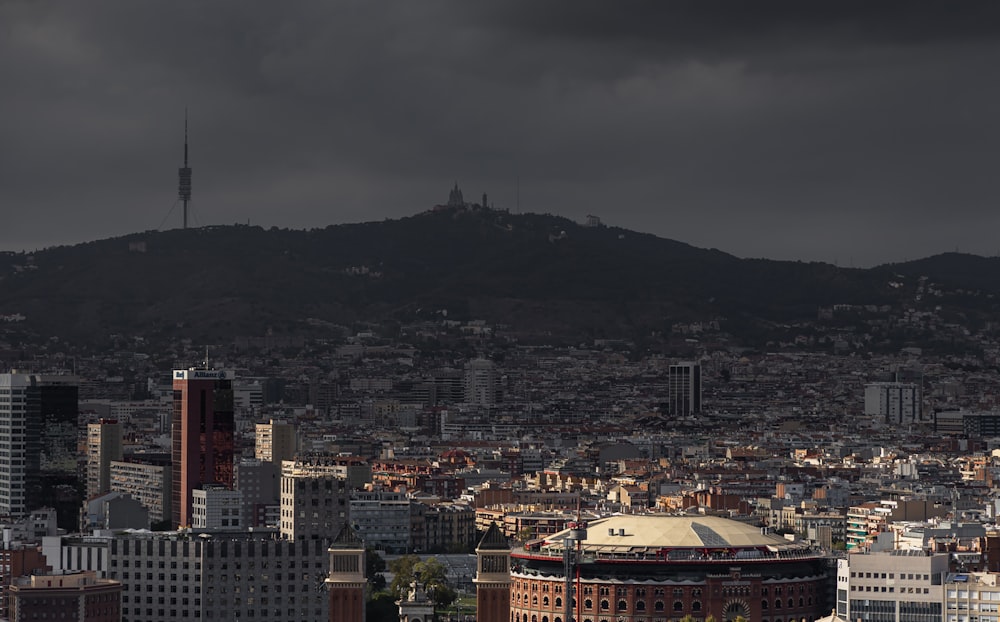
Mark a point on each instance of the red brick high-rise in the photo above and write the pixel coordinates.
(493, 577)
(202, 435)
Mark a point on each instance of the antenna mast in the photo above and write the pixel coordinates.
(184, 175)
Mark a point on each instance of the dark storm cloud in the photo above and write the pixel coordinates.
(840, 131)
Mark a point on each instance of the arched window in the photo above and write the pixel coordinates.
(658, 605)
(763, 604)
(791, 603)
(605, 605)
(777, 603)
(534, 600)
(622, 605)
(588, 604)
(696, 605)
(678, 605)
(558, 602)
(640, 605)
(545, 601)
(802, 602)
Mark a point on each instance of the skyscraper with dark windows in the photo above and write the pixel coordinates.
(38, 423)
(202, 435)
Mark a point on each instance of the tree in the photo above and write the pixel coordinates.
(382, 608)
(374, 567)
(429, 573)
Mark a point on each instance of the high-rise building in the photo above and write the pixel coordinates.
(314, 499)
(104, 445)
(481, 383)
(893, 402)
(275, 441)
(684, 388)
(258, 481)
(202, 435)
(38, 419)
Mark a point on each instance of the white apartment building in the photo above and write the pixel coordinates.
(214, 506)
(895, 586)
(382, 520)
(893, 402)
(481, 383)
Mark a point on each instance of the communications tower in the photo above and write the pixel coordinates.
(184, 175)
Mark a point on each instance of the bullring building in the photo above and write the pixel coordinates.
(661, 568)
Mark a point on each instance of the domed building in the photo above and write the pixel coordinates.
(661, 568)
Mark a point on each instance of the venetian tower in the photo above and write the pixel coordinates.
(493, 577)
(346, 582)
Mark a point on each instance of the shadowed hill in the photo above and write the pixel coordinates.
(529, 271)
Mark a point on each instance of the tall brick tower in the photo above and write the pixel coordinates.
(493, 577)
(202, 436)
(346, 581)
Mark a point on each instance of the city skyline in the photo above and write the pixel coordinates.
(843, 133)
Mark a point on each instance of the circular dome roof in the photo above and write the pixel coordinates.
(632, 532)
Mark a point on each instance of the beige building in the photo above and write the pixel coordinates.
(276, 441)
(148, 483)
(974, 594)
(104, 445)
(895, 585)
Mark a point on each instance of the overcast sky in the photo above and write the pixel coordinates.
(847, 132)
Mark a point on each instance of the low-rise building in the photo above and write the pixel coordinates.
(80, 596)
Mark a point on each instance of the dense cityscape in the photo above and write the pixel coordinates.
(333, 409)
(289, 479)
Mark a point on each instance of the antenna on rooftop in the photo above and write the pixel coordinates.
(184, 175)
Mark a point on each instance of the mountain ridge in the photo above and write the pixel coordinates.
(533, 272)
